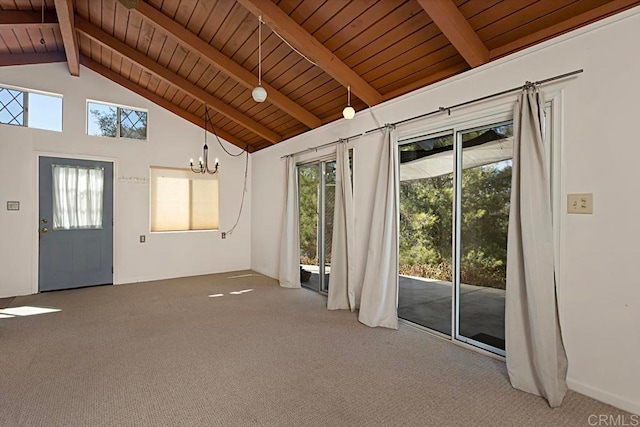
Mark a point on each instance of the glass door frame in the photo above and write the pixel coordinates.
(321, 164)
(552, 129)
(458, 151)
(457, 128)
(322, 229)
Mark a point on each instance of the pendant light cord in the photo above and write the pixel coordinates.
(213, 130)
(260, 51)
(245, 151)
(290, 45)
(244, 191)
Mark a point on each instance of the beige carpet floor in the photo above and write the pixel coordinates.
(166, 354)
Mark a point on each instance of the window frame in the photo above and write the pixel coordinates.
(197, 177)
(25, 106)
(119, 108)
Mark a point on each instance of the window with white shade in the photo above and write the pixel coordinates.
(183, 201)
(77, 197)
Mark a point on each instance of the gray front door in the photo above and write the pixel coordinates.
(75, 223)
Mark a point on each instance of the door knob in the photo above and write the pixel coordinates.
(44, 229)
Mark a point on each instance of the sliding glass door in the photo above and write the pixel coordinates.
(426, 203)
(316, 192)
(455, 188)
(483, 194)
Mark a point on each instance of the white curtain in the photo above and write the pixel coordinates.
(290, 238)
(77, 197)
(343, 292)
(536, 358)
(379, 302)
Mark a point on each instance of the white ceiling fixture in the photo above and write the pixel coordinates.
(258, 93)
(348, 112)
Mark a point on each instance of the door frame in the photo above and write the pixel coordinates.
(498, 109)
(321, 250)
(35, 266)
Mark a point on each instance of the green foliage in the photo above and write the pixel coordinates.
(107, 121)
(308, 184)
(426, 214)
(425, 221)
(425, 225)
(133, 122)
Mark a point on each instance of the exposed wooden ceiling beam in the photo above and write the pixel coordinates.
(95, 33)
(275, 17)
(28, 19)
(592, 15)
(446, 15)
(7, 59)
(222, 62)
(64, 10)
(156, 99)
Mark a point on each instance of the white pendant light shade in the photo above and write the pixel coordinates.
(259, 94)
(348, 112)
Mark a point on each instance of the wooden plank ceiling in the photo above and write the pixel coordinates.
(185, 54)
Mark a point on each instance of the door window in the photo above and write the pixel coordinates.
(77, 197)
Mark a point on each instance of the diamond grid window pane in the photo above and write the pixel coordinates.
(133, 124)
(11, 106)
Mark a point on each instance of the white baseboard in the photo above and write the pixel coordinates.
(142, 279)
(604, 396)
(264, 273)
(8, 293)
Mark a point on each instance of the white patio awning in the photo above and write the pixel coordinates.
(442, 163)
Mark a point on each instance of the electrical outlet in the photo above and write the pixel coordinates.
(224, 235)
(581, 203)
(143, 238)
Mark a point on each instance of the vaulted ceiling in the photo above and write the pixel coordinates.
(185, 54)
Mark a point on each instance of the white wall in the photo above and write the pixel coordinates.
(171, 142)
(599, 283)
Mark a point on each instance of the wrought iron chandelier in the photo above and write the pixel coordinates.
(203, 161)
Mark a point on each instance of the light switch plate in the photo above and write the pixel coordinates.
(580, 203)
(143, 238)
(13, 206)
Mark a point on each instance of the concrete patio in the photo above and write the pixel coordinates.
(427, 303)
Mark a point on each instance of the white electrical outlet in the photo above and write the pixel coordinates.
(581, 203)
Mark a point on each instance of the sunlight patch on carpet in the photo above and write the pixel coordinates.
(28, 311)
(243, 275)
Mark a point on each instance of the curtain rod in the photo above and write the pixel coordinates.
(442, 110)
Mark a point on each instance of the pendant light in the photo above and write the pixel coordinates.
(203, 161)
(348, 111)
(258, 93)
